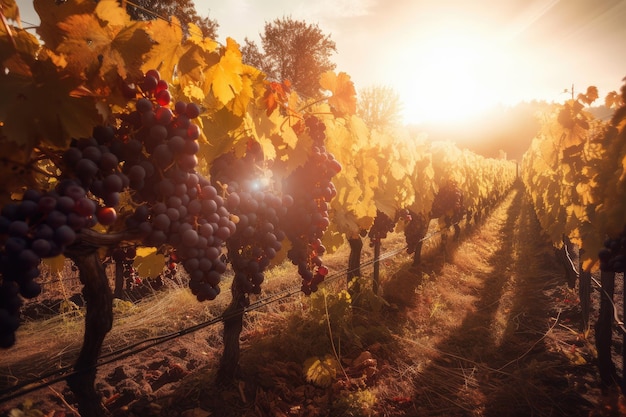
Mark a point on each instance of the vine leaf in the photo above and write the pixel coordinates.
(197, 38)
(343, 99)
(239, 104)
(54, 14)
(167, 48)
(225, 77)
(276, 93)
(45, 108)
(148, 262)
(17, 49)
(56, 264)
(112, 45)
(321, 371)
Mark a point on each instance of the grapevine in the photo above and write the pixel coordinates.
(130, 171)
(306, 220)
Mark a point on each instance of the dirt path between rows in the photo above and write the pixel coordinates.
(515, 349)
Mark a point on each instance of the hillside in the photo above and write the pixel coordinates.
(487, 327)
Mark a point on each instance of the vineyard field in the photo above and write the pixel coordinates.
(487, 327)
(185, 235)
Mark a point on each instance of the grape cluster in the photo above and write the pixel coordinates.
(257, 210)
(306, 220)
(89, 163)
(175, 205)
(382, 225)
(613, 255)
(414, 231)
(448, 202)
(41, 225)
(148, 159)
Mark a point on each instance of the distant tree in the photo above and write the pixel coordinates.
(184, 10)
(292, 50)
(379, 106)
(251, 55)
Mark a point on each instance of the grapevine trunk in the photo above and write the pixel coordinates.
(233, 324)
(98, 322)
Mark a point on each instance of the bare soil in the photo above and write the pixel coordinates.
(486, 326)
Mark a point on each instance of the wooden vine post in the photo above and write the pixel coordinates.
(376, 277)
(584, 294)
(604, 331)
(415, 232)
(354, 263)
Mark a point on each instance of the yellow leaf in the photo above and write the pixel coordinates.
(122, 306)
(321, 371)
(193, 92)
(110, 12)
(289, 137)
(267, 145)
(333, 241)
(168, 48)
(28, 116)
(239, 104)
(343, 99)
(197, 38)
(56, 264)
(397, 170)
(48, 28)
(107, 42)
(148, 262)
(224, 78)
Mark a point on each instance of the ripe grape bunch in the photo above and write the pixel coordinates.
(175, 205)
(306, 220)
(414, 230)
(448, 202)
(39, 226)
(382, 225)
(613, 255)
(257, 210)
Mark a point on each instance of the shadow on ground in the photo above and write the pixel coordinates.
(497, 362)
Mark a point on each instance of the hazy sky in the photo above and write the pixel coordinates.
(450, 58)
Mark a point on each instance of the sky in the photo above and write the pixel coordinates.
(450, 59)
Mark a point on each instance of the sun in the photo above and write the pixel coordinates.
(450, 78)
